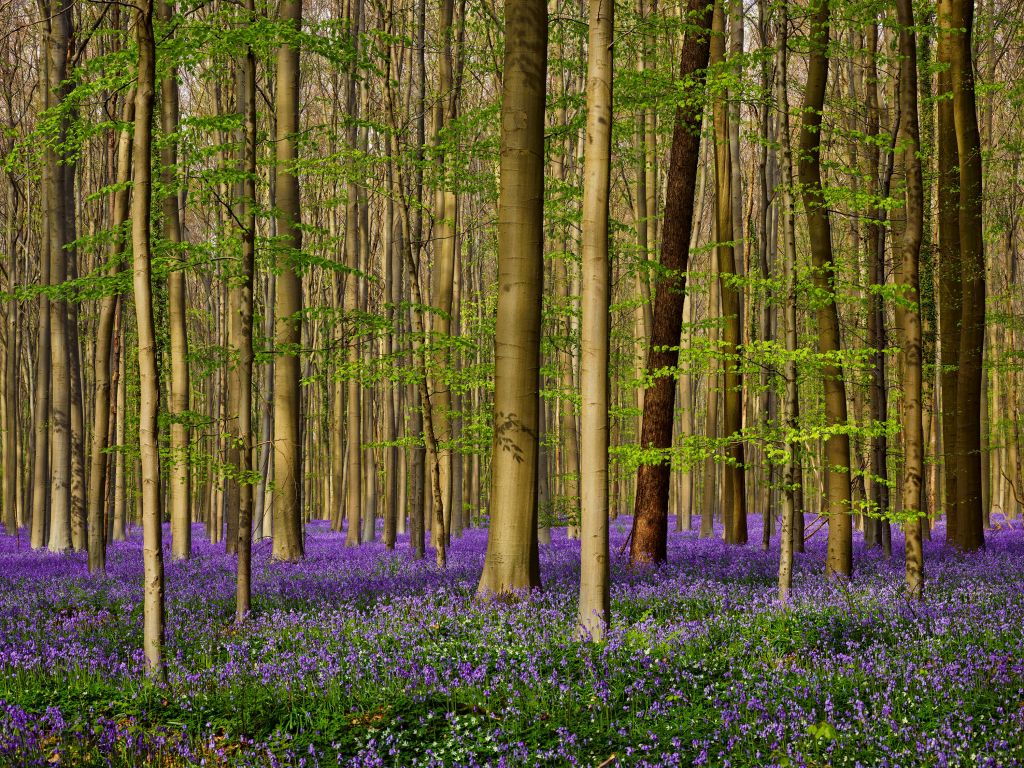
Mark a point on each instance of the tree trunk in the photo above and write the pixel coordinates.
(908, 307)
(790, 402)
(61, 33)
(512, 560)
(594, 603)
(650, 522)
(969, 392)
(837, 445)
(734, 498)
(246, 278)
(288, 541)
(104, 342)
(149, 379)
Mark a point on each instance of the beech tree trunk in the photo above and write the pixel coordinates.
(104, 342)
(969, 393)
(512, 559)
(839, 559)
(149, 379)
(908, 311)
(288, 520)
(594, 603)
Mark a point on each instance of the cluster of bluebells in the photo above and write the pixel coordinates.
(364, 657)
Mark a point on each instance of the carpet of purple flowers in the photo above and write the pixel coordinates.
(361, 657)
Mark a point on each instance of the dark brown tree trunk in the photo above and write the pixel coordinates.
(650, 522)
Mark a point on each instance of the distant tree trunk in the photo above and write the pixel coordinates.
(512, 559)
(790, 402)
(149, 379)
(594, 603)
(443, 271)
(837, 446)
(876, 314)
(353, 400)
(119, 523)
(288, 542)
(909, 313)
(179, 483)
(41, 396)
(60, 26)
(650, 522)
(734, 498)
(969, 511)
(104, 342)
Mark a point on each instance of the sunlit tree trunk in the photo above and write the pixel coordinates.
(149, 379)
(288, 542)
(58, 486)
(179, 490)
(595, 327)
(512, 560)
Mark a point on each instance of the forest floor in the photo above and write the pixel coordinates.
(362, 657)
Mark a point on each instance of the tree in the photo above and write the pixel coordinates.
(908, 311)
(288, 541)
(179, 490)
(837, 444)
(650, 516)
(512, 561)
(245, 279)
(790, 401)
(969, 389)
(149, 378)
(104, 342)
(594, 605)
(735, 497)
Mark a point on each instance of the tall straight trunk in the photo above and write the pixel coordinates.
(512, 559)
(709, 506)
(443, 272)
(876, 313)
(950, 287)
(908, 309)
(149, 378)
(969, 508)
(790, 402)
(179, 490)
(119, 524)
(246, 278)
(41, 402)
(354, 395)
(569, 445)
(650, 521)
(734, 502)
(837, 446)
(61, 33)
(595, 328)
(288, 542)
(13, 510)
(392, 290)
(431, 473)
(104, 343)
